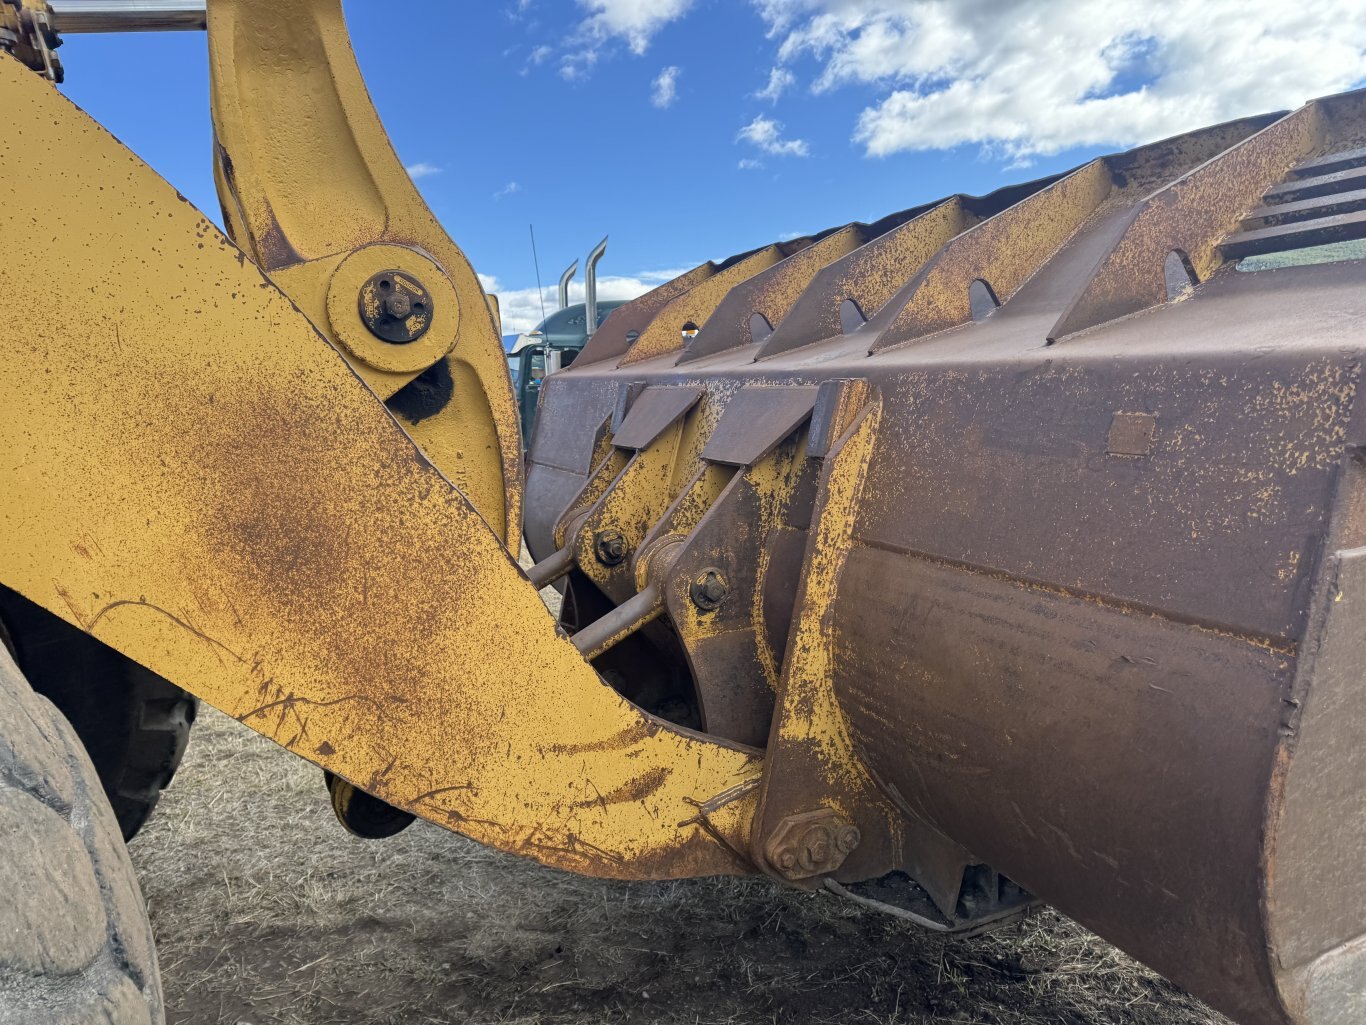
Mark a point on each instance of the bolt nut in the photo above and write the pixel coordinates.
(610, 547)
(709, 590)
(399, 306)
(396, 307)
(811, 844)
(847, 839)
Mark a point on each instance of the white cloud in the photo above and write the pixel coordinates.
(750, 164)
(422, 170)
(1024, 77)
(510, 189)
(666, 88)
(635, 21)
(779, 81)
(767, 134)
(521, 307)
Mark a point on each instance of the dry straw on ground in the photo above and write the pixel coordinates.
(267, 913)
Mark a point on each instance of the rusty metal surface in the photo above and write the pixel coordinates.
(996, 257)
(811, 746)
(1003, 252)
(1080, 619)
(772, 293)
(654, 411)
(1056, 607)
(867, 277)
(743, 524)
(1315, 809)
(208, 487)
(755, 421)
(624, 324)
(664, 333)
(1191, 216)
(1320, 231)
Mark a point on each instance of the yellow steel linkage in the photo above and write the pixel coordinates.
(313, 192)
(197, 479)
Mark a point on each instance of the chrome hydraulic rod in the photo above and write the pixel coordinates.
(86, 16)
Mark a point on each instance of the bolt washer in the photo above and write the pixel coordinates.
(396, 307)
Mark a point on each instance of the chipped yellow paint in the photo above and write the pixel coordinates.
(771, 480)
(870, 275)
(605, 470)
(640, 494)
(696, 305)
(692, 503)
(196, 478)
(1193, 215)
(811, 747)
(785, 283)
(307, 178)
(809, 713)
(1005, 251)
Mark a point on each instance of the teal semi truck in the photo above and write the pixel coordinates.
(558, 339)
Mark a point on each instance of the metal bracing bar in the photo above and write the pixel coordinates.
(552, 567)
(620, 623)
(78, 16)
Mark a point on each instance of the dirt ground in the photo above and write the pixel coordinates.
(267, 913)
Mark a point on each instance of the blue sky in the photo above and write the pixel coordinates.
(785, 116)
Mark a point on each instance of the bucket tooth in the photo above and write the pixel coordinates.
(868, 278)
(770, 294)
(983, 269)
(664, 334)
(615, 334)
(1001, 253)
(1196, 213)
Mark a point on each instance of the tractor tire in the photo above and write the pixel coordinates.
(75, 944)
(134, 724)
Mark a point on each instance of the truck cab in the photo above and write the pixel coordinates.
(563, 333)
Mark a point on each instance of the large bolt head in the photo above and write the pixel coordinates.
(811, 844)
(610, 547)
(399, 306)
(396, 307)
(709, 590)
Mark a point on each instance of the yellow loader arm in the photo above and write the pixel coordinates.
(202, 482)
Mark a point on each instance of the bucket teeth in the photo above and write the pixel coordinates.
(615, 335)
(694, 307)
(1001, 253)
(1298, 158)
(770, 294)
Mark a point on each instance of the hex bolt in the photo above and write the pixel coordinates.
(816, 849)
(610, 547)
(709, 590)
(811, 844)
(398, 306)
